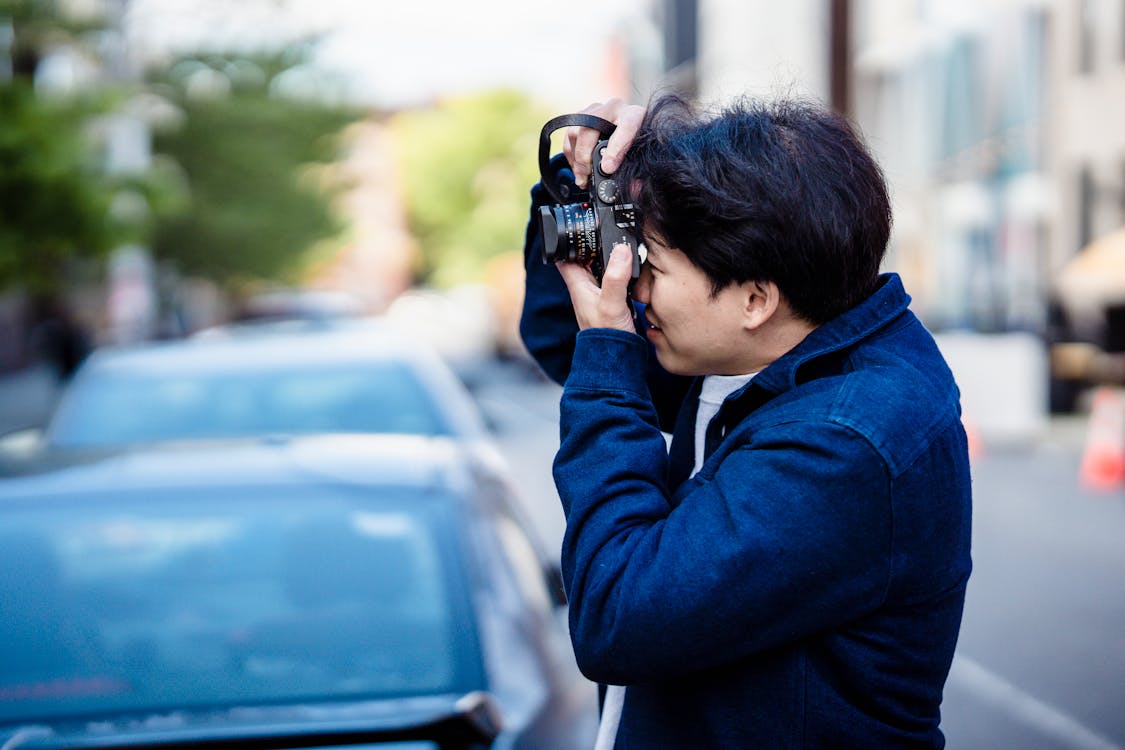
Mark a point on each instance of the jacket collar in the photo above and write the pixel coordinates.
(887, 302)
(813, 354)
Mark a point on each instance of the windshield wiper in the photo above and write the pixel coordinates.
(470, 722)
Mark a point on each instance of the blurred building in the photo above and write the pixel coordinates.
(1086, 130)
(953, 98)
(1000, 125)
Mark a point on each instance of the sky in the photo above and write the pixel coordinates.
(407, 52)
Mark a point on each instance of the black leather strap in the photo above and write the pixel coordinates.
(550, 180)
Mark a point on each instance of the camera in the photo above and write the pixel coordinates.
(585, 229)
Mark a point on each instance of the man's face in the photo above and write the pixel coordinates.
(693, 331)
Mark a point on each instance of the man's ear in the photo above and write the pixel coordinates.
(761, 300)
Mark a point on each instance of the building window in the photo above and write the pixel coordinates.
(681, 43)
(1087, 195)
(1121, 194)
(1087, 28)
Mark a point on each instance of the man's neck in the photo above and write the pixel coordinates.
(769, 343)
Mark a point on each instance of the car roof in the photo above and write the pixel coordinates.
(259, 349)
(267, 345)
(412, 461)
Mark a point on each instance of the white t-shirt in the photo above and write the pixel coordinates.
(715, 390)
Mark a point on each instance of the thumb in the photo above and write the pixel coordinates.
(613, 302)
(618, 272)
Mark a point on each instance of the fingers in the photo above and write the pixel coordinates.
(584, 140)
(628, 124)
(579, 149)
(578, 145)
(577, 277)
(606, 306)
(583, 289)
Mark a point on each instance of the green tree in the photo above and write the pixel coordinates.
(466, 167)
(54, 196)
(53, 201)
(246, 153)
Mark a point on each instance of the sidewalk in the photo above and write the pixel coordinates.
(26, 398)
(1061, 438)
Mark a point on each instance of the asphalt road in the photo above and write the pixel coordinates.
(1041, 657)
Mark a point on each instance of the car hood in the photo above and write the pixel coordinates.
(469, 720)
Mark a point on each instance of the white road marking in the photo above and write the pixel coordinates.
(1025, 708)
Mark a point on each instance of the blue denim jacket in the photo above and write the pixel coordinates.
(804, 589)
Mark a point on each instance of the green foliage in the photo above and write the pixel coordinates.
(53, 198)
(245, 154)
(466, 166)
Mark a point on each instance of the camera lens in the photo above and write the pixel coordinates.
(569, 232)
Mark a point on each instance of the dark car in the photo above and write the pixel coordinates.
(297, 592)
(299, 377)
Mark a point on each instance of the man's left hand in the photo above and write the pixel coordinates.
(606, 306)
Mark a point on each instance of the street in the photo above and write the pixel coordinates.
(1041, 657)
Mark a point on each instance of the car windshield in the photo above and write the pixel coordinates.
(139, 602)
(115, 408)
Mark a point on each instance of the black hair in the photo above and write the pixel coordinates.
(783, 191)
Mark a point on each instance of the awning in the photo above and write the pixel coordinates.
(1095, 277)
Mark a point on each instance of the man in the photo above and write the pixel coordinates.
(791, 572)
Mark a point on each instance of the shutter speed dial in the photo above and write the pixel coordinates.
(607, 191)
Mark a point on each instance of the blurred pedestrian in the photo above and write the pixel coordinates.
(56, 338)
(791, 572)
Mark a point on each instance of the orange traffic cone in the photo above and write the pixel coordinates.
(972, 436)
(1103, 460)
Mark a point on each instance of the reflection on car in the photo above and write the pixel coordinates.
(299, 592)
(266, 379)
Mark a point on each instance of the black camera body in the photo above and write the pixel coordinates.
(585, 229)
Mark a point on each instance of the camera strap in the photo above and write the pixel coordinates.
(550, 177)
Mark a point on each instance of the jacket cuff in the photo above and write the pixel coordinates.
(610, 360)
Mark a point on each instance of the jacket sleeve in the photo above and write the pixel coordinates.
(790, 535)
(547, 322)
(548, 326)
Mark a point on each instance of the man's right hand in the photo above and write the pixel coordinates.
(578, 146)
(604, 305)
